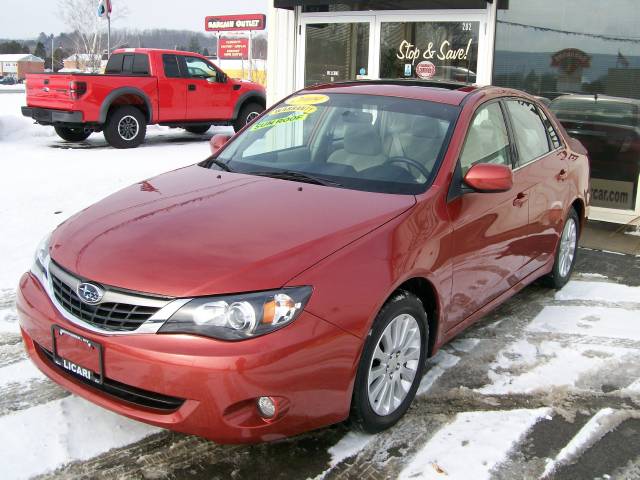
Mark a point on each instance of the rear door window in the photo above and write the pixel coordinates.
(529, 131)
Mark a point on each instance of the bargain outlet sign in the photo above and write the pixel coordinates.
(235, 23)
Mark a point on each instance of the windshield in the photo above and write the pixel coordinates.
(364, 142)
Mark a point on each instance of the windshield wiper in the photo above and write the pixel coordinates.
(298, 176)
(218, 163)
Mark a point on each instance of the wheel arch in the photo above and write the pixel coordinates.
(127, 96)
(580, 208)
(249, 97)
(426, 292)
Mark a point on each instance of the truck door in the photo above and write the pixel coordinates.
(209, 97)
(172, 90)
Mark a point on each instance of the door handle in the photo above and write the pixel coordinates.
(192, 87)
(562, 175)
(520, 199)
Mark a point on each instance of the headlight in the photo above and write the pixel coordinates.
(41, 256)
(238, 317)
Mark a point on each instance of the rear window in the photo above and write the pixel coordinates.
(170, 65)
(128, 64)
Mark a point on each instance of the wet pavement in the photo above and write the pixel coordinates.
(546, 386)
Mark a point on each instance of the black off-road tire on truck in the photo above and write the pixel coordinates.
(73, 134)
(198, 129)
(246, 115)
(126, 127)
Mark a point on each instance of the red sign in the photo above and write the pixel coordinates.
(425, 69)
(235, 23)
(233, 48)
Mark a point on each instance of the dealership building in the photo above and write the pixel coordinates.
(580, 56)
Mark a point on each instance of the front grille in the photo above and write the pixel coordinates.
(122, 317)
(119, 390)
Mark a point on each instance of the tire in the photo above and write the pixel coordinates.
(126, 127)
(246, 115)
(71, 134)
(368, 408)
(565, 256)
(198, 129)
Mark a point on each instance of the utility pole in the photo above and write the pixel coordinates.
(52, 69)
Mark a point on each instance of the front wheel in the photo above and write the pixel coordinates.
(391, 365)
(247, 114)
(126, 127)
(73, 134)
(565, 258)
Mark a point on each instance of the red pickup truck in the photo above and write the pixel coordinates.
(142, 86)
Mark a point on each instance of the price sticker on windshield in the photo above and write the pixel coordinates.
(308, 99)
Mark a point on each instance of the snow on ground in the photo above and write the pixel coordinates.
(61, 431)
(472, 445)
(44, 180)
(599, 291)
(571, 342)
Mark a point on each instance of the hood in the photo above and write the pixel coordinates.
(196, 231)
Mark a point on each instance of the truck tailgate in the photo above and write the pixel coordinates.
(49, 91)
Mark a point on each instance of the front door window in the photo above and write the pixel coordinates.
(429, 50)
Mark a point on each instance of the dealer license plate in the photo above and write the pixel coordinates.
(78, 355)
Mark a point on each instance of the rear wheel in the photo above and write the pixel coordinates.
(126, 127)
(73, 134)
(198, 129)
(565, 258)
(391, 365)
(247, 114)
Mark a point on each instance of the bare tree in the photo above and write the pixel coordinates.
(89, 30)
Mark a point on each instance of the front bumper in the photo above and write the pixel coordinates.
(49, 116)
(310, 365)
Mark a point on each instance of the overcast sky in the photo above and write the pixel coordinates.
(25, 19)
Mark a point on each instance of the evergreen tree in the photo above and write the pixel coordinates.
(40, 51)
(194, 45)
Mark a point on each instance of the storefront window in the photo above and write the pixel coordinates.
(583, 58)
(429, 50)
(336, 51)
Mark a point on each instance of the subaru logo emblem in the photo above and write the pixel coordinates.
(89, 293)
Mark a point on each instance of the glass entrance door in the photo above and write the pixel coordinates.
(438, 45)
(336, 48)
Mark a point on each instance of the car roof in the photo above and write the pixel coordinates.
(447, 92)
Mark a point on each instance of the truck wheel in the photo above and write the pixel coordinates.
(73, 134)
(198, 129)
(126, 127)
(247, 114)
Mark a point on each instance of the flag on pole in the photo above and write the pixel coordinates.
(104, 8)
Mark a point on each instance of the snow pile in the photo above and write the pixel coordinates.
(19, 372)
(14, 126)
(59, 432)
(436, 366)
(472, 445)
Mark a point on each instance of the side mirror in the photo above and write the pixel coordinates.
(218, 141)
(222, 77)
(489, 178)
(212, 80)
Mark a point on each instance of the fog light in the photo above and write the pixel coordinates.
(266, 407)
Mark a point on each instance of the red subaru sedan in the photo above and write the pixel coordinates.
(304, 272)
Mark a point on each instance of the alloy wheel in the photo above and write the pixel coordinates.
(394, 364)
(568, 243)
(128, 127)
